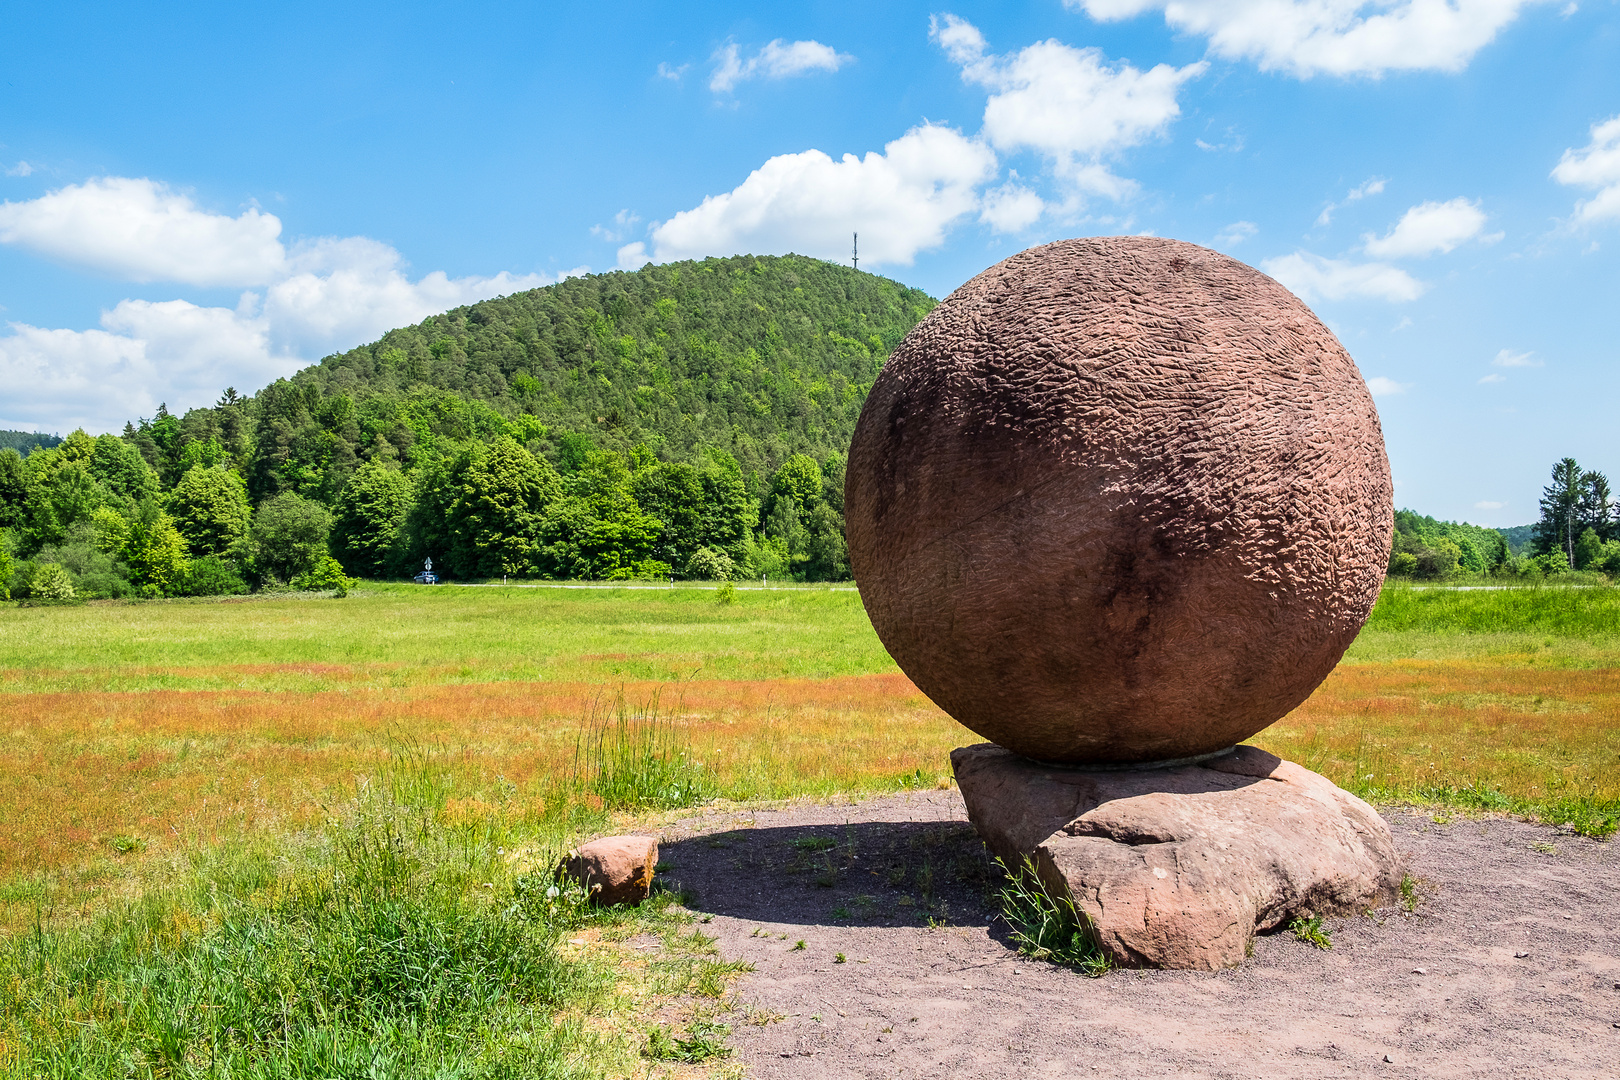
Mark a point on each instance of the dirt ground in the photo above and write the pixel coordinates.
(1509, 967)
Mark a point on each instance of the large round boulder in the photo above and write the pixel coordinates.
(1118, 500)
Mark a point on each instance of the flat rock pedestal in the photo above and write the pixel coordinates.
(1179, 867)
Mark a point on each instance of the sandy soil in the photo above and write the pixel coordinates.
(1510, 966)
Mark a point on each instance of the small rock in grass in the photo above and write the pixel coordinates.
(615, 869)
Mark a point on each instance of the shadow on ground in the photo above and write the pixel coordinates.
(873, 873)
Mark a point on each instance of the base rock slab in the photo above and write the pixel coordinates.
(1180, 867)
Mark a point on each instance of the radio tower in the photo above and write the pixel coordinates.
(855, 255)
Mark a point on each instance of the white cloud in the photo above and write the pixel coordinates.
(901, 202)
(1068, 104)
(673, 74)
(141, 230)
(1333, 37)
(1429, 228)
(777, 60)
(1486, 505)
(311, 299)
(1595, 165)
(633, 256)
(1235, 233)
(1494, 377)
(1371, 186)
(1378, 386)
(1011, 208)
(1509, 359)
(1313, 277)
(22, 168)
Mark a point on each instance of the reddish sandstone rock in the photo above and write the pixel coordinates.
(1179, 867)
(1118, 499)
(615, 869)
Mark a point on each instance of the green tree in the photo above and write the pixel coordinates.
(370, 512)
(1560, 503)
(800, 480)
(1595, 509)
(154, 551)
(13, 489)
(210, 508)
(1588, 550)
(596, 529)
(288, 537)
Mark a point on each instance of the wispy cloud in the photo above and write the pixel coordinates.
(1371, 186)
(776, 60)
(1379, 386)
(22, 168)
(1507, 358)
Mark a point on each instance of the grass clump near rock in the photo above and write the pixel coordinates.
(1048, 927)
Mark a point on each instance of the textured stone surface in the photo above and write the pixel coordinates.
(1118, 499)
(615, 869)
(1179, 867)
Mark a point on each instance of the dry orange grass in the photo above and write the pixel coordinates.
(1414, 728)
(81, 769)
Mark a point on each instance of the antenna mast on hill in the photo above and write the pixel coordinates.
(855, 255)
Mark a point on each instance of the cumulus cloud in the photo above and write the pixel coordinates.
(901, 201)
(1313, 277)
(142, 230)
(777, 60)
(1379, 386)
(300, 303)
(1332, 37)
(1011, 207)
(1070, 105)
(1372, 186)
(1430, 228)
(633, 256)
(1595, 165)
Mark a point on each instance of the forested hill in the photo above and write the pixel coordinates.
(687, 419)
(761, 357)
(25, 441)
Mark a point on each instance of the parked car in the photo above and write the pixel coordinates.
(426, 577)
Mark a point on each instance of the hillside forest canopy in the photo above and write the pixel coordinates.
(686, 420)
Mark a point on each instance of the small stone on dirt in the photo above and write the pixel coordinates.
(1520, 955)
(1389, 1060)
(1420, 971)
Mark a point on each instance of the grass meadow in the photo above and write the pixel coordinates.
(222, 819)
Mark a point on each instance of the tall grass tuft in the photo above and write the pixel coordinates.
(638, 759)
(1047, 927)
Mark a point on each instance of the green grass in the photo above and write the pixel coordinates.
(384, 945)
(1047, 927)
(1563, 612)
(399, 635)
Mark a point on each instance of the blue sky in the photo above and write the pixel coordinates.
(192, 198)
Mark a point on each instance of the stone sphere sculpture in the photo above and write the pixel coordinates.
(1118, 500)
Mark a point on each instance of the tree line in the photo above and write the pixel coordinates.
(687, 420)
(1577, 531)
